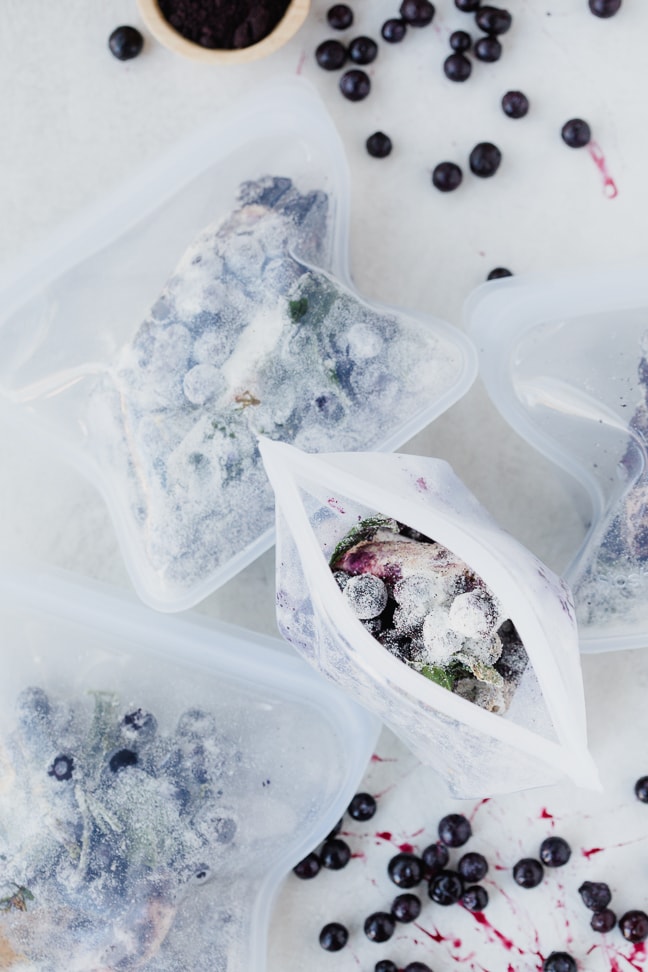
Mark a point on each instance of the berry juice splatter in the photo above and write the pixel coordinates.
(609, 185)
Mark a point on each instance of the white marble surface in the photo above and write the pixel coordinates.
(76, 122)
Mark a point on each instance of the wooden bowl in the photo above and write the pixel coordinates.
(167, 35)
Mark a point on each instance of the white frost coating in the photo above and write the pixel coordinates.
(257, 341)
(475, 614)
(440, 643)
(367, 596)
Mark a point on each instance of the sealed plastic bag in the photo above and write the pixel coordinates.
(471, 603)
(206, 304)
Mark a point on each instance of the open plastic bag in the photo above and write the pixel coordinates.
(328, 499)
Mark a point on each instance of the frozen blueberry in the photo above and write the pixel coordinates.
(554, 852)
(379, 145)
(405, 870)
(406, 907)
(634, 926)
(604, 8)
(309, 867)
(559, 962)
(467, 6)
(473, 866)
(515, 104)
(641, 789)
(340, 16)
(454, 830)
(333, 936)
(417, 13)
(485, 160)
(460, 41)
(576, 133)
(446, 176)
(446, 888)
(363, 50)
(367, 595)
(362, 807)
(475, 898)
(528, 872)
(457, 67)
(596, 895)
(379, 927)
(493, 20)
(331, 55)
(139, 725)
(393, 30)
(355, 84)
(125, 43)
(497, 273)
(335, 854)
(603, 921)
(62, 768)
(487, 49)
(122, 759)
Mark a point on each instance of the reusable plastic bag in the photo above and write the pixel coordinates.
(565, 360)
(158, 779)
(206, 303)
(542, 735)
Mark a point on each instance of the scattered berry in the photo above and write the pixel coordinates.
(595, 894)
(457, 67)
(487, 49)
(336, 830)
(379, 145)
(335, 854)
(406, 907)
(473, 866)
(340, 16)
(435, 858)
(492, 20)
(417, 967)
(379, 927)
(603, 921)
(331, 55)
(362, 807)
(641, 789)
(576, 133)
(460, 41)
(554, 852)
(62, 768)
(498, 272)
(634, 926)
(405, 870)
(333, 937)
(454, 830)
(475, 898)
(604, 8)
(515, 104)
(355, 85)
(308, 867)
(121, 759)
(485, 159)
(446, 888)
(363, 50)
(393, 30)
(559, 962)
(417, 13)
(528, 873)
(385, 966)
(125, 43)
(467, 6)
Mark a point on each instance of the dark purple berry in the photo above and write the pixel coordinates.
(335, 854)
(125, 43)
(528, 873)
(487, 49)
(460, 41)
(355, 85)
(122, 759)
(336, 830)
(457, 67)
(393, 30)
(140, 725)
(385, 966)
(435, 858)
(492, 20)
(576, 133)
(641, 789)
(446, 888)
(467, 6)
(446, 176)
(331, 55)
(417, 13)
(454, 830)
(339, 16)
(485, 159)
(603, 921)
(333, 937)
(62, 768)
(417, 967)
(379, 927)
(363, 50)
(308, 867)
(362, 807)
(554, 852)
(498, 273)
(405, 870)
(379, 146)
(559, 962)
(515, 104)
(406, 907)
(473, 866)
(595, 894)
(475, 898)
(604, 8)
(634, 926)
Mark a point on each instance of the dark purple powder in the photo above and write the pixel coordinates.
(226, 24)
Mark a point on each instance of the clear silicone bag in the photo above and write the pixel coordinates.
(565, 360)
(158, 778)
(542, 736)
(207, 302)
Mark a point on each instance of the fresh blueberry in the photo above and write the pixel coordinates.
(363, 50)
(379, 145)
(497, 273)
(362, 807)
(454, 830)
(333, 937)
(603, 921)
(125, 43)
(467, 6)
(487, 49)
(475, 898)
(485, 160)
(62, 768)
(473, 866)
(339, 16)
(331, 55)
(641, 789)
(457, 67)
(446, 176)
(460, 41)
(576, 133)
(492, 20)
(308, 867)
(559, 962)
(379, 927)
(405, 870)
(122, 759)
(385, 966)
(604, 8)
(355, 84)
(528, 873)
(335, 854)
(554, 852)
(446, 888)
(417, 13)
(393, 30)
(435, 858)
(634, 926)
(515, 104)
(406, 907)
(596, 895)
(417, 967)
